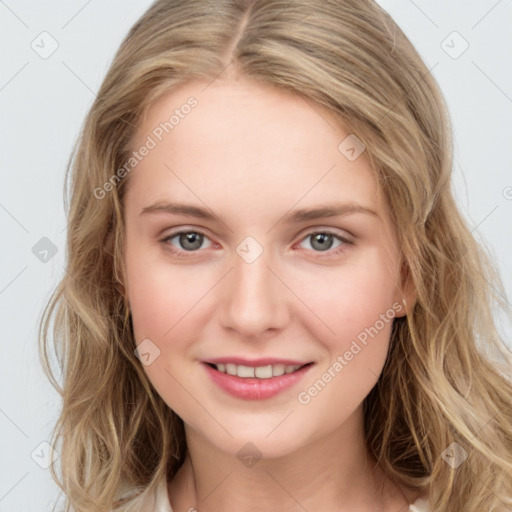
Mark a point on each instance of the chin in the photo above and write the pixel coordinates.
(267, 440)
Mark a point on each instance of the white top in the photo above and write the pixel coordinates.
(163, 505)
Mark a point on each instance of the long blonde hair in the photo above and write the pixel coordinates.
(444, 380)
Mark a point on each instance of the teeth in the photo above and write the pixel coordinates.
(278, 369)
(260, 372)
(230, 369)
(263, 372)
(245, 371)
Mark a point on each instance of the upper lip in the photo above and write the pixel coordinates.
(240, 361)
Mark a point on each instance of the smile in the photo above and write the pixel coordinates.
(259, 372)
(255, 381)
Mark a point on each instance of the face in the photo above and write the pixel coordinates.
(235, 262)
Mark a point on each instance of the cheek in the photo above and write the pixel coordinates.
(160, 294)
(359, 307)
(351, 301)
(164, 303)
(154, 304)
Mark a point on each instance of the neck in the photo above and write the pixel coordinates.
(333, 473)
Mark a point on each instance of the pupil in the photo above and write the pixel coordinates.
(324, 241)
(190, 241)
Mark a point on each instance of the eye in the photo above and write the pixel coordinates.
(323, 241)
(189, 241)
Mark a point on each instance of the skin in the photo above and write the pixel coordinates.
(250, 154)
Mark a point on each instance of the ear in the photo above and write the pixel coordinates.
(406, 293)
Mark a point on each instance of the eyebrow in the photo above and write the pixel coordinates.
(296, 216)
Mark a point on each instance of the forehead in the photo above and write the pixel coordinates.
(243, 139)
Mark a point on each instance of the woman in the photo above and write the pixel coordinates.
(270, 292)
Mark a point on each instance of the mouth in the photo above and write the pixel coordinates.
(257, 372)
(255, 380)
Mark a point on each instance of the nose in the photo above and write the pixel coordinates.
(255, 301)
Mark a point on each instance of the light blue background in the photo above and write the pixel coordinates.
(44, 101)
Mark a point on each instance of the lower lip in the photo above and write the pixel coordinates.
(254, 388)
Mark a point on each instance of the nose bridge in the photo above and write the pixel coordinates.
(255, 300)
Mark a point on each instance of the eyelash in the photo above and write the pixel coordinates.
(330, 252)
